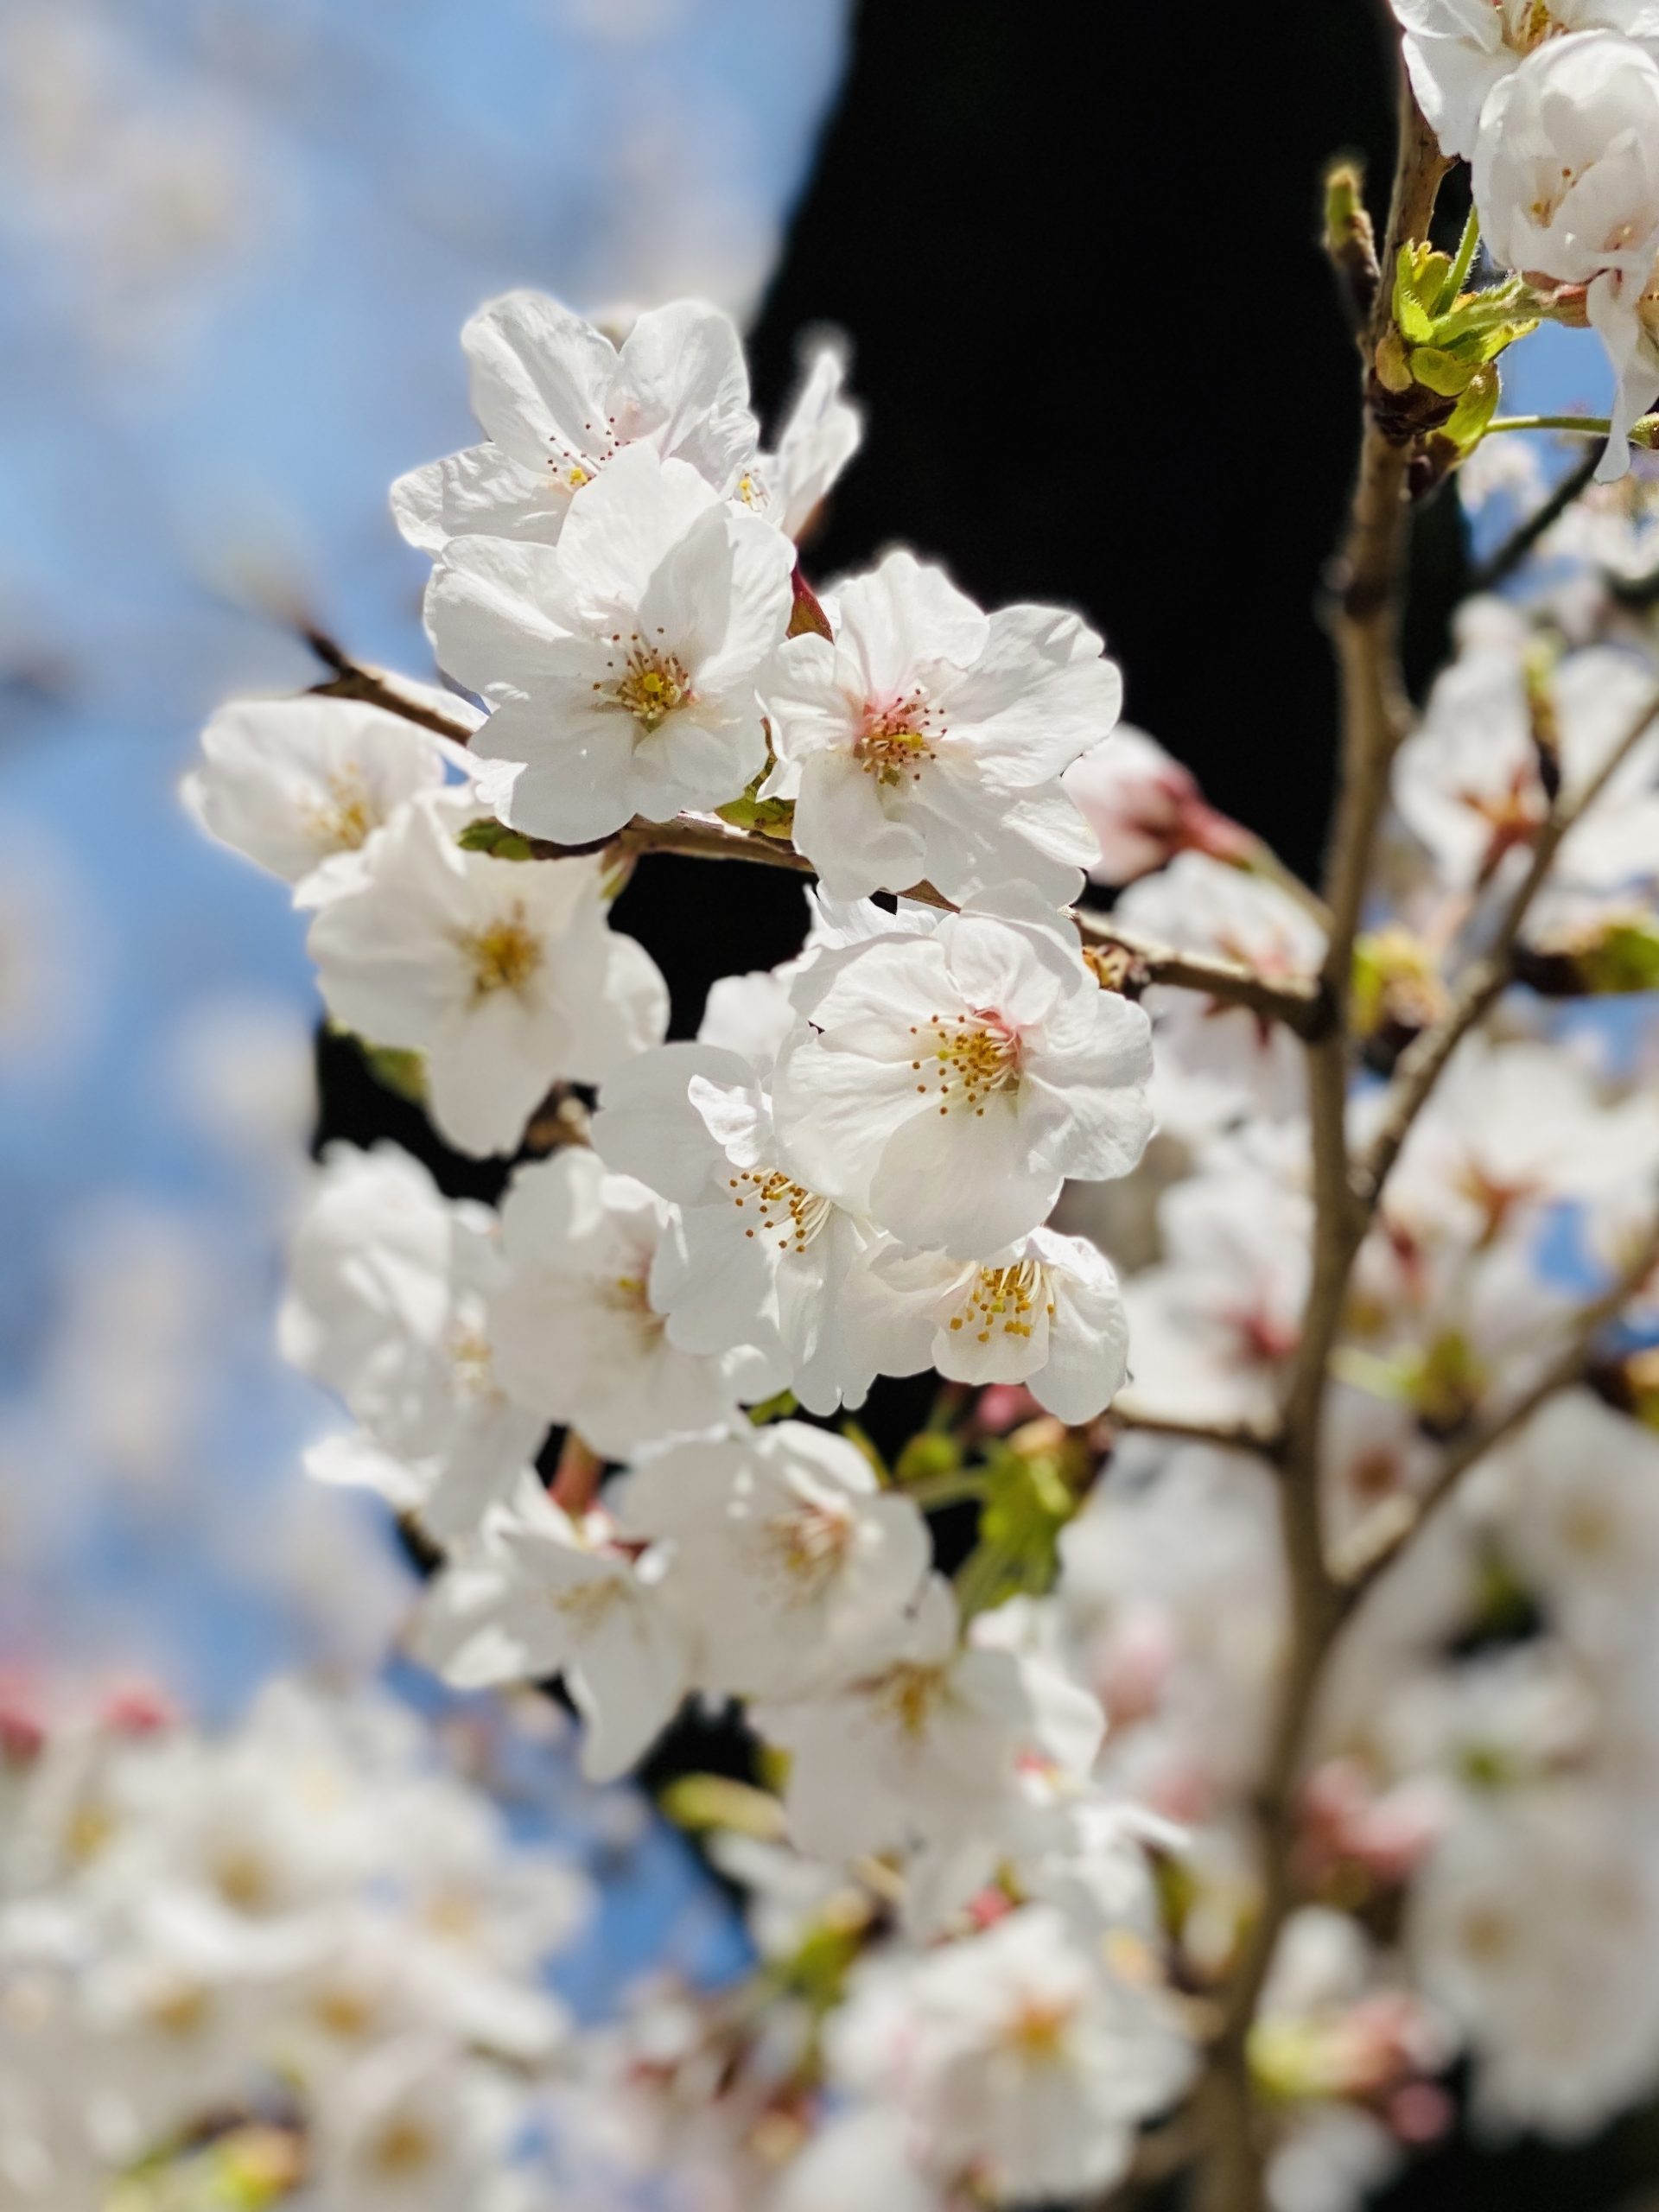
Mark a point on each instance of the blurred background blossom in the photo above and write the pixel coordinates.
(236, 245)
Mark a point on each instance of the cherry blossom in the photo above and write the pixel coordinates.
(1046, 1311)
(502, 974)
(558, 401)
(788, 1570)
(538, 1592)
(1020, 2059)
(753, 1255)
(301, 785)
(926, 1746)
(621, 663)
(575, 1325)
(387, 1303)
(1213, 1063)
(928, 739)
(1459, 51)
(947, 1084)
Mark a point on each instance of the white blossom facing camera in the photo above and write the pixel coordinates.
(504, 974)
(622, 662)
(929, 739)
(387, 1298)
(575, 1327)
(558, 401)
(539, 1592)
(1459, 51)
(946, 1082)
(301, 785)
(789, 1570)
(1046, 1311)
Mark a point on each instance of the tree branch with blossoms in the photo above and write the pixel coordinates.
(1166, 1502)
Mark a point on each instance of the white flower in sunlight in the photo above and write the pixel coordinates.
(538, 1594)
(1467, 781)
(557, 402)
(928, 740)
(787, 1566)
(1046, 1311)
(948, 1082)
(753, 1255)
(926, 1748)
(504, 974)
(574, 1327)
(1212, 1063)
(1021, 2058)
(1566, 170)
(300, 785)
(1459, 51)
(388, 1285)
(819, 437)
(622, 662)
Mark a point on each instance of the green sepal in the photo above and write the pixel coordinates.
(494, 837)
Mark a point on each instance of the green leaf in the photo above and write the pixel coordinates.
(1442, 372)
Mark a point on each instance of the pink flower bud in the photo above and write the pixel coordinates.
(1144, 807)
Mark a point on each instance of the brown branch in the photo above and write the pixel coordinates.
(1426, 1060)
(373, 687)
(1378, 1542)
(1297, 1002)
(1223, 1435)
(1365, 627)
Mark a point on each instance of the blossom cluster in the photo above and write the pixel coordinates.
(1556, 105)
(299, 1953)
(1000, 1849)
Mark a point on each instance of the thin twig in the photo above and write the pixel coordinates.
(1377, 1543)
(373, 687)
(1295, 1002)
(1223, 1435)
(1426, 1060)
(1520, 541)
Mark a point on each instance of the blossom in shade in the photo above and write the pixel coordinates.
(503, 974)
(787, 1566)
(539, 1591)
(575, 1327)
(924, 1748)
(388, 1290)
